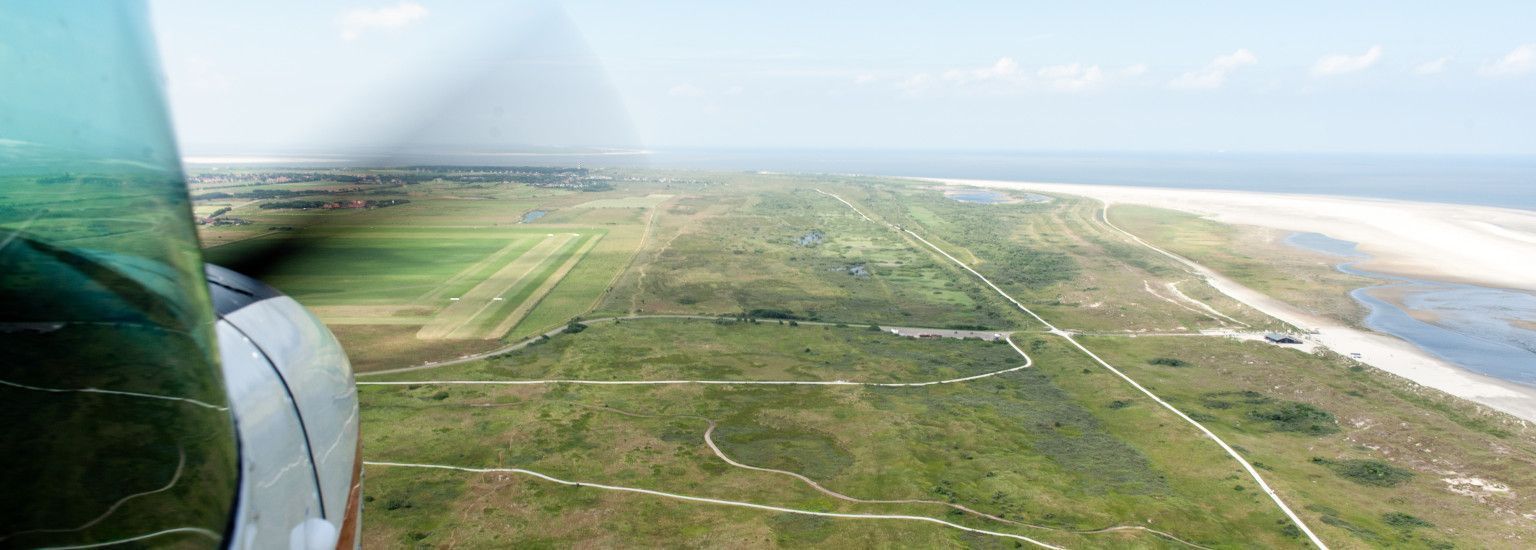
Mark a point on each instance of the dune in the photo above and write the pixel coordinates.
(1478, 245)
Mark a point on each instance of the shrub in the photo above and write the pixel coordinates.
(1167, 362)
(771, 313)
(1399, 519)
(1367, 472)
(1296, 417)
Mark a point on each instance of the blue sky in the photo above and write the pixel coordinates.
(1395, 77)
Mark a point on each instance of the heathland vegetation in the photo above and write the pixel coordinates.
(662, 280)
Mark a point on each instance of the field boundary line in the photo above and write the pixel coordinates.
(484, 263)
(537, 296)
(443, 325)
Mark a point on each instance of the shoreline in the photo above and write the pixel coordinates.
(1480, 245)
(1374, 226)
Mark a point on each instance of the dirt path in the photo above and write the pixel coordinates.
(1071, 340)
(1378, 350)
(721, 502)
(710, 441)
(1027, 363)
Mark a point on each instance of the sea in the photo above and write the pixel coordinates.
(1489, 180)
(1505, 181)
(1481, 329)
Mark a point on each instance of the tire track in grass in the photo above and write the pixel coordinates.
(526, 305)
(462, 312)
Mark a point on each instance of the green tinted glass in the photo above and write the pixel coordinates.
(116, 423)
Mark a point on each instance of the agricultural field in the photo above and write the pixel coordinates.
(614, 394)
(451, 271)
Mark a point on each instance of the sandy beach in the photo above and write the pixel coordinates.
(1472, 244)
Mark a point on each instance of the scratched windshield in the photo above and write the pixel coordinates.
(116, 423)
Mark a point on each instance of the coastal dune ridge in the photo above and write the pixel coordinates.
(1479, 245)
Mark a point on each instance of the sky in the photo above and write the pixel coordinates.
(1331, 77)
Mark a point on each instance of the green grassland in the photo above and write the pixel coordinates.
(383, 266)
(1060, 259)
(783, 246)
(1299, 414)
(670, 349)
(1256, 257)
(1061, 450)
(1019, 445)
(378, 276)
(626, 202)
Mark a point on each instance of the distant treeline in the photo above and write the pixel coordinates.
(331, 205)
(449, 170)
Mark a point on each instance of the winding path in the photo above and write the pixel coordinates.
(722, 502)
(1254, 473)
(708, 435)
(1027, 363)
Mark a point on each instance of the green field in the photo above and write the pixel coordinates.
(1017, 445)
(1253, 256)
(665, 349)
(1067, 265)
(626, 202)
(788, 282)
(783, 246)
(452, 272)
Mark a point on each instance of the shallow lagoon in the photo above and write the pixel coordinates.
(983, 196)
(1477, 328)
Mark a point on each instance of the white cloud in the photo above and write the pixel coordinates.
(1005, 68)
(1071, 78)
(1214, 74)
(357, 21)
(1521, 60)
(1341, 63)
(1433, 66)
(915, 85)
(1134, 71)
(685, 90)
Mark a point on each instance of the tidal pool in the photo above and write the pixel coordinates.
(1487, 330)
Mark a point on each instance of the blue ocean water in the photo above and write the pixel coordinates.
(1492, 180)
(1507, 181)
(1474, 327)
